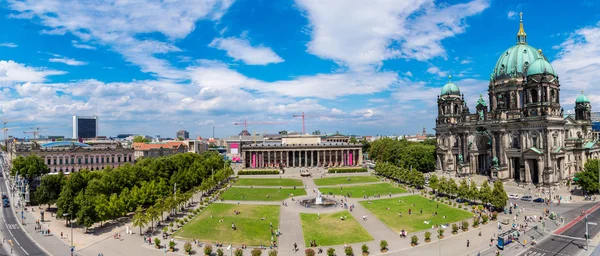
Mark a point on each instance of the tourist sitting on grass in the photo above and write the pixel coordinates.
(221, 220)
(263, 218)
(399, 214)
(426, 222)
(388, 208)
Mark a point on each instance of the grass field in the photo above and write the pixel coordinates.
(330, 230)
(360, 190)
(269, 182)
(344, 180)
(414, 221)
(260, 194)
(251, 230)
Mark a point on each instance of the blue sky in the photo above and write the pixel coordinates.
(357, 67)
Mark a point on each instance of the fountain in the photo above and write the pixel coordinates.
(318, 202)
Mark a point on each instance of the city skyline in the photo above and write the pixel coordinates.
(225, 61)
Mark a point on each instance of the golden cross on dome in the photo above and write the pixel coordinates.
(521, 16)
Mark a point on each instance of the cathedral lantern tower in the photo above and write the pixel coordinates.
(451, 104)
(583, 108)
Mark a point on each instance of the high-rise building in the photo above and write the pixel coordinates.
(85, 127)
(183, 134)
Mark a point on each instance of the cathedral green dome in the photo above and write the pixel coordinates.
(515, 61)
(450, 88)
(582, 98)
(540, 66)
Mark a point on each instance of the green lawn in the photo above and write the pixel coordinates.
(260, 194)
(269, 182)
(360, 190)
(251, 230)
(344, 180)
(414, 221)
(330, 230)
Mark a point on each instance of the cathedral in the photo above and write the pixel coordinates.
(524, 133)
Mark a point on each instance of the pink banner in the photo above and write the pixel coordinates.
(351, 158)
(253, 160)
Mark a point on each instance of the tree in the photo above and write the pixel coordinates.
(140, 219)
(29, 167)
(443, 185)
(317, 132)
(49, 189)
(283, 132)
(141, 139)
(87, 209)
(463, 189)
(485, 193)
(353, 140)
(452, 187)
(153, 214)
(365, 145)
(434, 182)
(473, 191)
(180, 138)
(102, 208)
(588, 178)
(499, 196)
(116, 206)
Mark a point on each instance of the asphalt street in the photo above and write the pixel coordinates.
(571, 241)
(13, 236)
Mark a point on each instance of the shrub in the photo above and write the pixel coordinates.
(273, 253)
(485, 219)
(207, 249)
(454, 228)
(427, 236)
(256, 252)
(414, 240)
(165, 229)
(465, 225)
(172, 244)
(157, 241)
(330, 252)
(383, 244)
(349, 251)
(364, 248)
(185, 219)
(258, 172)
(441, 233)
(346, 170)
(494, 215)
(220, 252)
(475, 223)
(238, 252)
(309, 252)
(187, 247)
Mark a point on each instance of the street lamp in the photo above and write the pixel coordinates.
(71, 222)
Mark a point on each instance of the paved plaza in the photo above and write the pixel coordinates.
(290, 225)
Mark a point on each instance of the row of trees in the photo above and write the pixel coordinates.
(414, 178)
(588, 178)
(403, 153)
(98, 196)
(486, 195)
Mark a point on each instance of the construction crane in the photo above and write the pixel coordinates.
(304, 117)
(5, 129)
(246, 123)
(36, 131)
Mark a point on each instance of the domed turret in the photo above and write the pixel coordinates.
(514, 61)
(582, 98)
(540, 66)
(450, 88)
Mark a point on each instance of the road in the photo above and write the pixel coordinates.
(571, 241)
(22, 244)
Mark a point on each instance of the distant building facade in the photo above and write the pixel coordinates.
(71, 156)
(153, 150)
(183, 134)
(85, 127)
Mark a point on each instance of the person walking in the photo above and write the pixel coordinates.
(468, 242)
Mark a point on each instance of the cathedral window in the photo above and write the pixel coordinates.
(534, 141)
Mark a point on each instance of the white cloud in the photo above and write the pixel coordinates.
(76, 44)
(11, 71)
(117, 24)
(578, 65)
(10, 45)
(436, 71)
(408, 73)
(361, 34)
(241, 49)
(68, 61)
(511, 15)
(465, 62)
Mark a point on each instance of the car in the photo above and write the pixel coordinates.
(526, 198)
(4, 196)
(538, 200)
(461, 200)
(513, 196)
(5, 202)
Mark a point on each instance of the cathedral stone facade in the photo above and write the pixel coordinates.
(523, 134)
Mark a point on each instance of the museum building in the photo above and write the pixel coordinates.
(523, 134)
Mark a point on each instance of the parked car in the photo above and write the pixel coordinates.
(526, 198)
(461, 200)
(538, 200)
(513, 196)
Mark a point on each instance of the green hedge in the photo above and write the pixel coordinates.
(346, 170)
(257, 172)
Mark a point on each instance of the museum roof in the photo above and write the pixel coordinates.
(64, 144)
